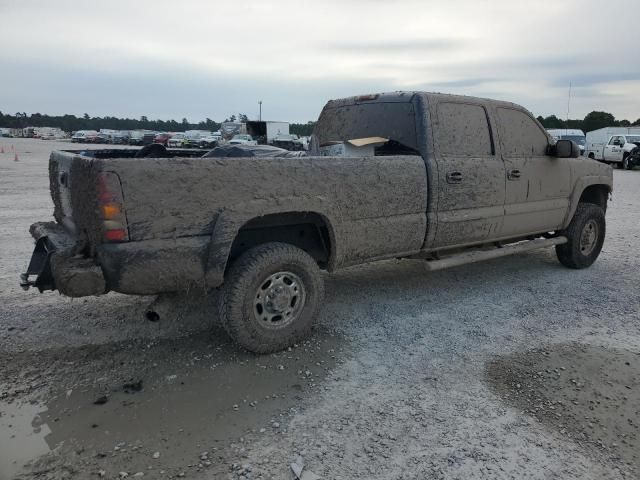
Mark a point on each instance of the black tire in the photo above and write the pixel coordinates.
(578, 253)
(592, 156)
(625, 163)
(250, 285)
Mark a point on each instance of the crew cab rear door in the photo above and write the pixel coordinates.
(537, 185)
(471, 185)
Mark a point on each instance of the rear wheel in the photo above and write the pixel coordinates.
(585, 236)
(271, 297)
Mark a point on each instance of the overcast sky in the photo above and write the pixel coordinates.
(199, 59)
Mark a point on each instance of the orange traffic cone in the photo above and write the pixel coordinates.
(15, 158)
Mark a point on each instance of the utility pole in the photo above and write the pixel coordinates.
(568, 107)
(260, 114)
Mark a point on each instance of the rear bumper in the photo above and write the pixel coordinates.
(53, 265)
(139, 268)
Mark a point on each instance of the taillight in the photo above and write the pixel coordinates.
(111, 206)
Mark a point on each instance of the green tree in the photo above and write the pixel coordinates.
(595, 120)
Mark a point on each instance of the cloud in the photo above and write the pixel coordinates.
(412, 46)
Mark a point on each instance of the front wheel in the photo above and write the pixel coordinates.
(625, 163)
(271, 297)
(585, 236)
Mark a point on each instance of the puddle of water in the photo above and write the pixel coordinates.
(22, 436)
(590, 394)
(185, 406)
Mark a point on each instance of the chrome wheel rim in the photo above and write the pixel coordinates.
(589, 237)
(279, 300)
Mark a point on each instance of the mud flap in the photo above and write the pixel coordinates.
(40, 266)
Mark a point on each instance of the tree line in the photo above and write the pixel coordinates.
(592, 121)
(71, 123)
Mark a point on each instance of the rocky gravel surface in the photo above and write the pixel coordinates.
(515, 368)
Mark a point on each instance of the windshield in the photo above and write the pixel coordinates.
(633, 138)
(579, 139)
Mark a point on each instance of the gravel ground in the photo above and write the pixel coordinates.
(513, 368)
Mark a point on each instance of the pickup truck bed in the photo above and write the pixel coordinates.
(183, 214)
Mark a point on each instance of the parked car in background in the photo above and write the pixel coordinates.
(243, 139)
(121, 137)
(48, 136)
(192, 137)
(103, 138)
(162, 138)
(84, 136)
(620, 150)
(136, 136)
(177, 140)
(209, 141)
(141, 137)
(288, 141)
(613, 145)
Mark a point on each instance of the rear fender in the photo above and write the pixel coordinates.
(231, 220)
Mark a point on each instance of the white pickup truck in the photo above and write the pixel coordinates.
(614, 148)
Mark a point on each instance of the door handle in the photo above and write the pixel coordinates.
(454, 177)
(513, 174)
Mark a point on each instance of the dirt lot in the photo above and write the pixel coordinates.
(515, 368)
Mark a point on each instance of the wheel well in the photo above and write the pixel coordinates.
(306, 230)
(592, 155)
(597, 194)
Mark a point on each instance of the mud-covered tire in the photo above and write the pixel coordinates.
(585, 236)
(245, 300)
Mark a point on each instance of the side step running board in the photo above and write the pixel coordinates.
(480, 255)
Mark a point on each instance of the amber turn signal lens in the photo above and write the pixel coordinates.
(111, 211)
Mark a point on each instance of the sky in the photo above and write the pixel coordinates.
(211, 59)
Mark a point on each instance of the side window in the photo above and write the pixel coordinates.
(463, 130)
(520, 135)
(613, 141)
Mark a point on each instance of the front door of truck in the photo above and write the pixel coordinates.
(613, 149)
(537, 185)
(471, 185)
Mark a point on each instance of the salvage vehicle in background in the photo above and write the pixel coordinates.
(177, 140)
(242, 139)
(288, 142)
(613, 145)
(445, 179)
(162, 138)
(620, 150)
(210, 141)
(84, 136)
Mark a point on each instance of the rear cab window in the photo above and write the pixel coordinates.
(394, 121)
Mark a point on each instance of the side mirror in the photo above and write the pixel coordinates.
(564, 149)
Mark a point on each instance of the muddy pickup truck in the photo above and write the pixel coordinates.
(445, 179)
